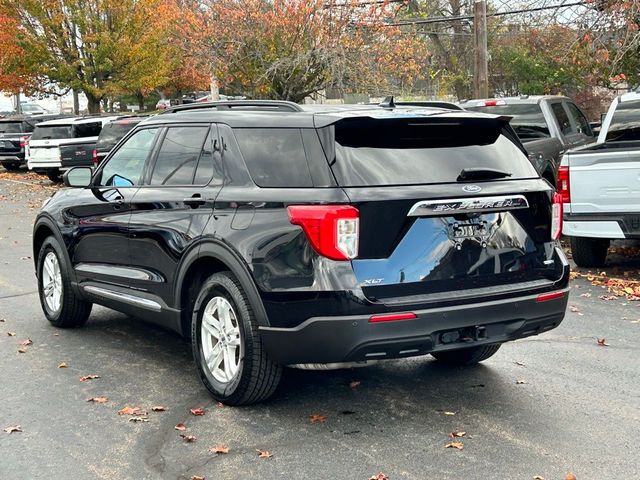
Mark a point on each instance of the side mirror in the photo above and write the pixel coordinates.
(78, 177)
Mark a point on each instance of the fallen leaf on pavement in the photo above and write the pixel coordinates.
(315, 418)
(573, 308)
(538, 477)
(26, 343)
(448, 413)
(196, 477)
(197, 411)
(23, 350)
(84, 378)
(158, 408)
(458, 445)
(586, 295)
(25, 258)
(11, 334)
(264, 454)
(220, 404)
(139, 419)
(131, 411)
(602, 342)
(355, 383)
(608, 297)
(520, 382)
(218, 449)
(98, 399)
(62, 365)
(457, 434)
(379, 476)
(181, 426)
(13, 428)
(520, 364)
(188, 438)
(570, 476)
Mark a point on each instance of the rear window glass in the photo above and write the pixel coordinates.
(11, 127)
(562, 118)
(528, 120)
(47, 132)
(82, 130)
(112, 133)
(410, 152)
(275, 157)
(625, 124)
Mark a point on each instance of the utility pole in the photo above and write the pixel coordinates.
(481, 67)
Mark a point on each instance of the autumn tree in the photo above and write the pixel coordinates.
(94, 46)
(290, 49)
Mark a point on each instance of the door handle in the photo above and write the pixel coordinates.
(195, 201)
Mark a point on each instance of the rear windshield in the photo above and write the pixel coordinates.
(528, 120)
(407, 152)
(47, 132)
(11, 127)
(625, 124)
(112, 133)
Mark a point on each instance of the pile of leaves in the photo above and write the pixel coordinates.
(617, 287)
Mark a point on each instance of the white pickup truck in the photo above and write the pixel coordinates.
(600, 185)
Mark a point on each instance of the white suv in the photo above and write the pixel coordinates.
(43, 152)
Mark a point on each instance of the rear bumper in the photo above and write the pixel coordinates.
(354, 338)
(614, 225)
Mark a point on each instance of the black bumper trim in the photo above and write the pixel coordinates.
(353, 338)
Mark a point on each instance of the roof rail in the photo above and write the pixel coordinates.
(260, 105)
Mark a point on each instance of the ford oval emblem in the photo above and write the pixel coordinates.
(471, 188)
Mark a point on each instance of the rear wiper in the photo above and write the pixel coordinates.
(470, 174)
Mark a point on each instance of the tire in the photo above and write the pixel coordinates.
(11, 166)
(72, 311)
(467, 356)
(589, 252)
(54, 175)
(255, 377)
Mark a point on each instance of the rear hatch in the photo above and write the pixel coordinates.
(449, 206)
(11, 137)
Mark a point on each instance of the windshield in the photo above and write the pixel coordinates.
(528, 120)
(409, 152)
(625, 124)
(47, 132)
(10, 127)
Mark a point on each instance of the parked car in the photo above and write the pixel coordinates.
(33, 109)
(14, 136)
(547, 126)
(599, 185)
(111, 134)
(272, 235)
(57, 145)
(166, 103)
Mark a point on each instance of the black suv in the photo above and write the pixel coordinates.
(14, 135)
(272, 235)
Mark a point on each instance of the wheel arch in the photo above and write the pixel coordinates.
(208, 259)
(43, 229)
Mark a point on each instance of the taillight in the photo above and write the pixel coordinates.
(564, 187)
(332, 230)
(393, 317)
(556, 216)
(24, 141)
(94, 157)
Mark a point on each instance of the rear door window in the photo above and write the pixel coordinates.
(50, 132)
(562, 118)
(275, 157)
(372, 152)
(178, 156)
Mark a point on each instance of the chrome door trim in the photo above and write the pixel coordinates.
(123, 297)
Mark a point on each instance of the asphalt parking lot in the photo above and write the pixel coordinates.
(540, 408)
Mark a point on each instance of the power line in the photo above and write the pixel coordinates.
(426, 21)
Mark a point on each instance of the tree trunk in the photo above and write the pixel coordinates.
(214, 89)
(93, 104)
(140, 98)
(76, 103)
